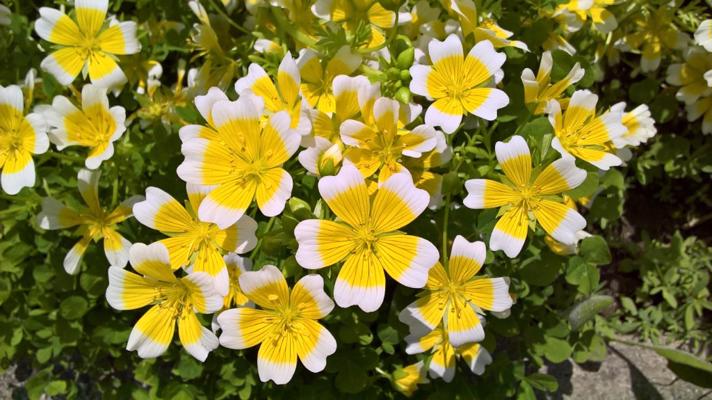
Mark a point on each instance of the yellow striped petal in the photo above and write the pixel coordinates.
(104, 71)
(56, 27)
(346, 195)
(309, 298)
(398, 202)
(323, 243)
(152, 260)
(266, 287)
(129, 291)
(515, 160)
(314, 344)
(360, 282)
(489, 294)
(559, 221)
(244, 327)
(466, 259)
(116, 248)
(90, 15)
(119, 39)
(160, 211)
(462, 323)
(64, 64)
(195, 338)
(406, 258)
(277, 358)
(426, 312)
(559, 176)
(486, 193)
(153, 333)
(510, 232)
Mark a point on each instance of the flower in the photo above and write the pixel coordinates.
(407, 379)
(422, 169)
(325, 152)
(366, 238)
(192, 241)
(655, 33)
(701, 108)
(285, 327)
(584, 135)
(454, 298)
(381, 144)
(703, 34)
(172, 300)
(455, 82)
(284, 96)
(236, 266)
(575, 13)
(539, 90)
(520, 196)
(95, 125)
(94, 222)
(21, 136)
(444, 354)
(86, 43)
(318, 75)
(566, 249)
(481, 25)
(639, 124)
(694, 76)
(243, 158)
(352, 14)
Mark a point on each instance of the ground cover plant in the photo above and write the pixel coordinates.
(350, 198)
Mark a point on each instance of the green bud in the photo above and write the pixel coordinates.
(393, 73)
(405, 58)
(404, 75)
(403, 95)
(300, 208)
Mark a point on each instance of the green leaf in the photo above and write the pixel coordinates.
(73, 307)
(587, 188)
(587, 310)
(582, 274)
(594, 250)
(687, 366)
(188, 367)
(555, 350)
(56, 387)
(543, 382)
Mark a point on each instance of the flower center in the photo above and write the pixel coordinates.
(367, 238)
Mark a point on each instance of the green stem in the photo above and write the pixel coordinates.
(446, 218)
(259, 242)
(227, 17)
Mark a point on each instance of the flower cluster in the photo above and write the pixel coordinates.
(369, 102)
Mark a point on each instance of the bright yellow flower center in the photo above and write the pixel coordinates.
(14, 128)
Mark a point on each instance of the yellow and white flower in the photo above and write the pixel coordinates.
(523, 194)
(407, 379)
(365, 237)
(325, 151)
(583, 134)
(194, 242)
(95, 125)
(242, 158)
(481, 24)
(86, 44)
(285, 326)
(21, 136)
(458, 84)
(639, 124)
(703, 34)
(352, 13)
(454, 297)
(701, 108)
(654, 33)
(694, 76)
(384, 142)
(236, 266)
(318, 75)
(538, 90)
(422, 169)
(575, 13)
(282, 96)
(173, 301)
(94, 223)
(444, 354)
